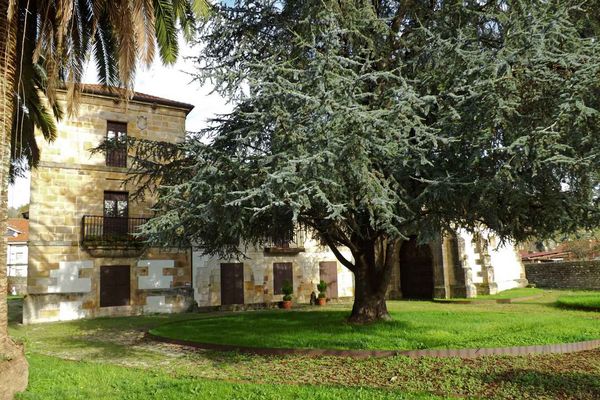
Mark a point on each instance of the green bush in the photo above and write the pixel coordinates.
(287, 290)
(322, 288)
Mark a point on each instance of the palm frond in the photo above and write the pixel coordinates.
(166, 31)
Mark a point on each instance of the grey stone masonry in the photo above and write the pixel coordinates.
(565, 275)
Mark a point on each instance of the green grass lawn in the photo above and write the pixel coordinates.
(580, 300)
(53, 378)
(415, 325)
(513, 294)
(109, 358)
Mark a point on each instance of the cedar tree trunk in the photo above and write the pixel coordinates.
(373, 265)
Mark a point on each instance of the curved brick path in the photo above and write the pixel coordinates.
(359, 354)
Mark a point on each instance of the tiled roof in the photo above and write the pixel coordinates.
(542, 255)
(137, 96)
(20, 225)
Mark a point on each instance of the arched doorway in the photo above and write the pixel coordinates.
(416, 270)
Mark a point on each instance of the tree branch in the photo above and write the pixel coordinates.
(338, 254)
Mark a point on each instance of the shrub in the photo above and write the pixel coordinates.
(287, 290)
(322, 287)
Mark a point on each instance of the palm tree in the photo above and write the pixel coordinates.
(44, 44)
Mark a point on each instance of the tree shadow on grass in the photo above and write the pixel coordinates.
(536, 384)
(292, 329)
(15, 311)
(92, 350)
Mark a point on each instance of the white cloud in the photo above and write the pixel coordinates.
(18, 194)
(175, 82)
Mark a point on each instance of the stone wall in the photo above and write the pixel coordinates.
(565, 275)
(63, 275)
(258, 275)
(159, 283)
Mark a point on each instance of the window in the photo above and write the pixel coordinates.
(116, 204)
(116, 211)
(282, 272)
(116, 151)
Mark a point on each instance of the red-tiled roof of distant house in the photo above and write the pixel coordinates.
(21, 226)
(137, 96)
(545, 255)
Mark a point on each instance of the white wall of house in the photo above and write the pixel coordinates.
(16, 259)
(509, 271)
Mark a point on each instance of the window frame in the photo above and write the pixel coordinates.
(116, 155)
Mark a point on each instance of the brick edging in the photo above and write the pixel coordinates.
(489, 301)
(361, 354)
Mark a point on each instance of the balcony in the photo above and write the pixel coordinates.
(111, 232)
(292, 243)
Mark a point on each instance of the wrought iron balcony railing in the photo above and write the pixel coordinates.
(110, 231)
(289, 243)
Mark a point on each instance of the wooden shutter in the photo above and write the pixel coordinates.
(115, 281)
(232, 283)
(328, 273)
(282, 272)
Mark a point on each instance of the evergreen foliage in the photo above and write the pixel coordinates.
(366, 122)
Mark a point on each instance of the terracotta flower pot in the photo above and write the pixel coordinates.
(286, 304)
(321, 301)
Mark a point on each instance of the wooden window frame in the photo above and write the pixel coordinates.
(116, 154)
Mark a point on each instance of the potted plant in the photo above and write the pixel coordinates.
(322, 287)
(287, 290)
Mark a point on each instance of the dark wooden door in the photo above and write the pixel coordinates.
(232, 283)
(328, 273)
(116, 213)
(282, 272)
(416, 270)
(115, 286)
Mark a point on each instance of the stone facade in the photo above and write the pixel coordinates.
(258, 275)
(455, 265)
(580, 275)
(458, 265)
(64, 273)
(489, 266)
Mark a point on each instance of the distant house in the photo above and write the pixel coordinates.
(17, 234)
(555, 255)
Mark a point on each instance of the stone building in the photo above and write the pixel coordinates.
(456, 265)
(84, 260)
(259, 278)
